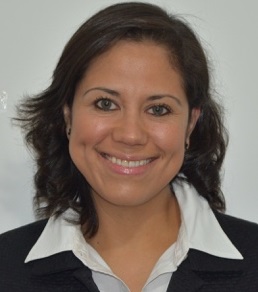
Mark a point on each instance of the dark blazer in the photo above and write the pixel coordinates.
(64, 272)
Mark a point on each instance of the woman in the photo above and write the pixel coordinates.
(129, 144)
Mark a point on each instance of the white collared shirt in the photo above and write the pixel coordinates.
(199, 230)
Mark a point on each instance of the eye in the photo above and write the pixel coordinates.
(105, 104)
(159, 110)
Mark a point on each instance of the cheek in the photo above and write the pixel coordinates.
(87, 130)
(170, 138)
(86, 135)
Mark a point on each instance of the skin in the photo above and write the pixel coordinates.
(131, 106)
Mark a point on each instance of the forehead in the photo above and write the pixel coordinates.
(134, 54)
(134, 69)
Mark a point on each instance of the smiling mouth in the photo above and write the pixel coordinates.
(127, 163)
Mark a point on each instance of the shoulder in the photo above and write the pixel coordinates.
(233, 224)
(242, 233)
(16, 244)
(25, 233)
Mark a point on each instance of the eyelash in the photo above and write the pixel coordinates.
(164, 106)
(99, 99)
(161, 105)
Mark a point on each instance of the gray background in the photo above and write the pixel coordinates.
(32, 36)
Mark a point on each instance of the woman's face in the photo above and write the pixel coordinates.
(129, 124)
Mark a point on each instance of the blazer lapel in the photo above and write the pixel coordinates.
(64, 262)
(185, 279)
(84, 275)
(200, 269)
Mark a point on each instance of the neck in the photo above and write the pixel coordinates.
(145, 226)
(132, 239)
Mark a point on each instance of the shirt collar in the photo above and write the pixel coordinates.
(199, 230)
(200, 225)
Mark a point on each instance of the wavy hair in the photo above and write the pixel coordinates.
(58, 183)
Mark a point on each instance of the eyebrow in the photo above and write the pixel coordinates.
(160, 96)
(150, 98)
(107, 90)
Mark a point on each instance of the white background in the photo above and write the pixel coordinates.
(32, 36)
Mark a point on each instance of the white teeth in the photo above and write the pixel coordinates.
(124, 163)
(127, 163)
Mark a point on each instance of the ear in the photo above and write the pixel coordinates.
(67, 118)
(194, 116)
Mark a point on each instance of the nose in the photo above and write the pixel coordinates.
(130, 130)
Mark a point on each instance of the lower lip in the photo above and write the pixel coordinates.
(119, 169)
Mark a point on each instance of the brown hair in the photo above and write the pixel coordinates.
(59, 185)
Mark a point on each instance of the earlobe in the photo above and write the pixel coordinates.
(195, 114)
(67, 118)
